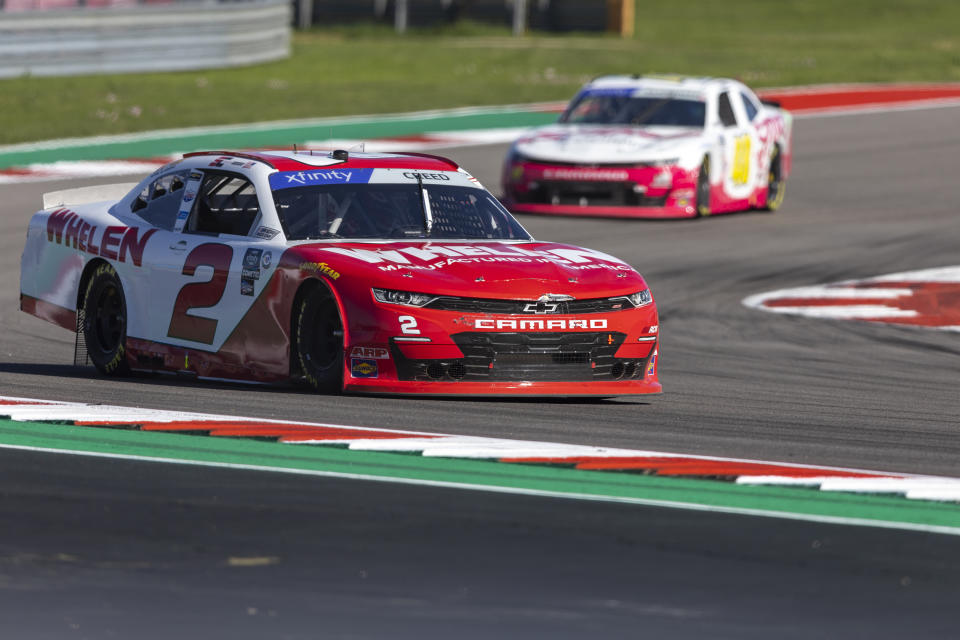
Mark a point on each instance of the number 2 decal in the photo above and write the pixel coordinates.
(200, 295)
(408, 325)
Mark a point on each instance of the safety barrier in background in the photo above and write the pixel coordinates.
(543, 15)
(147, 37)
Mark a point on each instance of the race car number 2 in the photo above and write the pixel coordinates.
(200, 295)
(408, 325)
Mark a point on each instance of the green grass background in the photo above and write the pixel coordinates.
(369, 69)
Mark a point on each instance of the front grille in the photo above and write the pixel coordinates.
(597, 165)
(526, 357)
(588, 193)
(486, 305)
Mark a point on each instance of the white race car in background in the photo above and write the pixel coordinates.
(653, 147)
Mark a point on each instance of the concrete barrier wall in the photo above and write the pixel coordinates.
(170, 37)
(547, 15)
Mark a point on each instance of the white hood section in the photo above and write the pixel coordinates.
(609, 143)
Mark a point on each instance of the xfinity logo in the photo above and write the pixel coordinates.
(304, 177)
(292, 179)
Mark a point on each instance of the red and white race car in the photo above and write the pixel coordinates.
(653, 147)
(357, 272)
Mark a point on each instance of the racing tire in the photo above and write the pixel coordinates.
(105, 322)
(776, 185)
(702, 203)
(319, 336)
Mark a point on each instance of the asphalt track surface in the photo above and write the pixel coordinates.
(95, 548)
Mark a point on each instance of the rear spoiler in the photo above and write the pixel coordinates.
(85, 195)
(771, 102)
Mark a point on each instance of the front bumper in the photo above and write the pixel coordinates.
(608, 191)
(601, 211)
(563, 389)
(593, 354)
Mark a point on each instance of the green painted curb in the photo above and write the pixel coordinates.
(553, 480)
(150, 144)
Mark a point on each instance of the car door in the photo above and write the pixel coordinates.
(211, 269)
(739, 143)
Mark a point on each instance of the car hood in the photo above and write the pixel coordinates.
(503, 270)
(582, 144)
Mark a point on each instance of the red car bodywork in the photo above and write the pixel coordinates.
(506, 316)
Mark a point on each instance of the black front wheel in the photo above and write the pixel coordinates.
(105, 322)
(319, 341)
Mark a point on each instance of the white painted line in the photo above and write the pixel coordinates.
(890, 485)
(845, 312)
(833, 291)
(861, 522)
(942, 494)
(790, 481)
(937, 274)
(480, 447)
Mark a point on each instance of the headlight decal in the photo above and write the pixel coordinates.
(407, 298)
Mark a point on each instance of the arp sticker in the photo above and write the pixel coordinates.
(363, 368)
(373, 353)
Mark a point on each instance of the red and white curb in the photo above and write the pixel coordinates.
(928, 298)
(76, 169)
(853, 99)
(424, 141)
(435, 445)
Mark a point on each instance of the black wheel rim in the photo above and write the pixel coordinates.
(326, 336)
(110, 323)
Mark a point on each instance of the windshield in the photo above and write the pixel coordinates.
(393, 211)
(593, 108)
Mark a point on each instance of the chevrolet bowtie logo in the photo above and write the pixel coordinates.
(547, 303)
(541, 307)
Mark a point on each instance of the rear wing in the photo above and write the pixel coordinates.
(85, 195)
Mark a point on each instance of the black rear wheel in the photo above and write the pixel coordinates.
(319, 341)
(702, 204)
(776, 186)
(105, 322)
